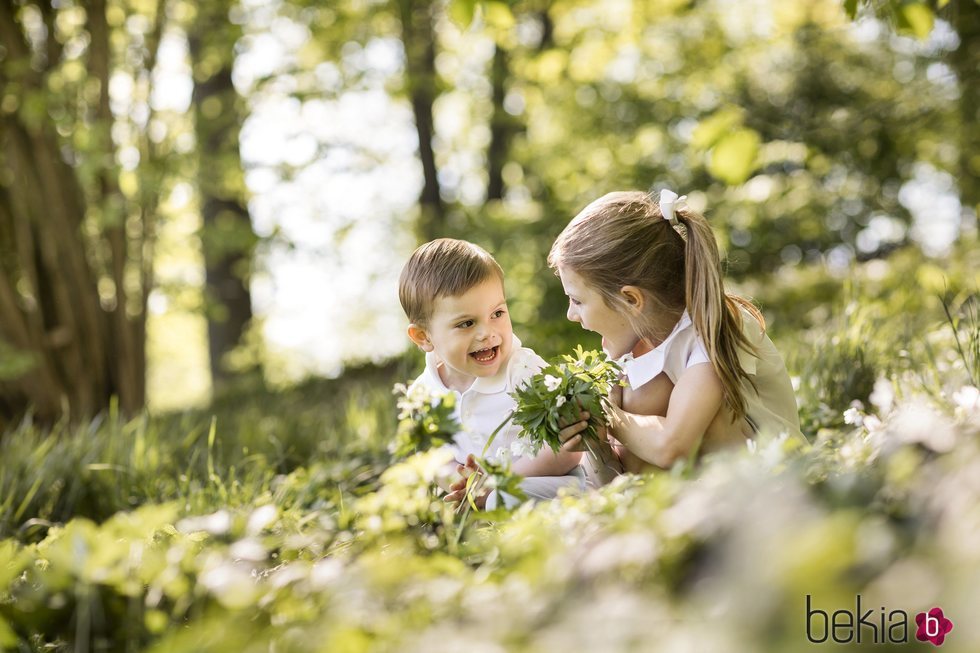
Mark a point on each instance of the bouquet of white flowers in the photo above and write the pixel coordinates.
(558, 393)
(425, 420)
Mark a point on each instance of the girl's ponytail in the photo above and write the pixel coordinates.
(624, 239)
(715, 313)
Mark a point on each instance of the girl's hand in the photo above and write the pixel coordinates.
(604, 462)
(570, 434)
(616, 396)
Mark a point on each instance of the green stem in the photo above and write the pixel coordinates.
(605, 464)
(493, 435)
(468, 504)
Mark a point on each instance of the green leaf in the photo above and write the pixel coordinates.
(499, 15)
(733, 158)
(850, 6)
(8, 638)
(714, 127)
(462, 12)
(916, 17)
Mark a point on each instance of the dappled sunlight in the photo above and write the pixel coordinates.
(245, 180)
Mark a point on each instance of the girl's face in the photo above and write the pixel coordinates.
(587, 307)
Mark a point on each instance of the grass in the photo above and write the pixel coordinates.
(279, 522)
(230, 455)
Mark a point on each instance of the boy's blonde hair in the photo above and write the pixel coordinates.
(622, 239)
(445, 267)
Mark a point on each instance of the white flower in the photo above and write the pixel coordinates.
(415, 399)
(872, 423)
(521, 448)
(260, 518)
(918, 422)
(217, 523)
(551, 382)
(773, 452)
(561, 401)
(249, 550)
(967, 398)
(853, 416)
(501, 455)
(883, 396)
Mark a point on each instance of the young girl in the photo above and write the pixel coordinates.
(701, 371)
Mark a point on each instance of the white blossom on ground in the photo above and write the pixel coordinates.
(883, 396)
(967, 399)
(853, 416)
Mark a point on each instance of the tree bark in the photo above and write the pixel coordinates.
(85, 347)
(500, 126)
(965, 62)
(228, 239)
(419, 41)
(127, 367)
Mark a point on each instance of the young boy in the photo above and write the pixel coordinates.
(453, 294)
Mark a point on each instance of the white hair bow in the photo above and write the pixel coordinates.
(668, 201)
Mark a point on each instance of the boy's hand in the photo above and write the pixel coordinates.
(457, 490)
(607, 465)
(570, 434)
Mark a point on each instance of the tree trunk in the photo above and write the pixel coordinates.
(419, 41)
(228, 238)
(500, 126)
(127, 364)
(75, 347)
(965, 62)
(51, 308)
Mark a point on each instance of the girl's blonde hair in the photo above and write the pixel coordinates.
(622, 239)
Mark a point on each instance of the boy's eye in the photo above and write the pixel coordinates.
(465, 324)
(499, 312)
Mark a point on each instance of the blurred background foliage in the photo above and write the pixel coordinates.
(160, 190)
(814, 135)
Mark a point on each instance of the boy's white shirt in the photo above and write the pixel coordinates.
(482, 407)
(771, 411)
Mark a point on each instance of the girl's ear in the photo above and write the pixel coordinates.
(420, 337)
(633, 296)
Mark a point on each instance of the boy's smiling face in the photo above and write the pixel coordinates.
(470, 333)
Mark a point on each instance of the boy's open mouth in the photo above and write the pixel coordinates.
(487, 355)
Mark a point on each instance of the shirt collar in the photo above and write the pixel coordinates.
(483, 384)
(640, 369)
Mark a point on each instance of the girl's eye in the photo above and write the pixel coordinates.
(465, 325)
(575, 302)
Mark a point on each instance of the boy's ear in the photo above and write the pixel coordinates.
(633, 296)
(419, 337)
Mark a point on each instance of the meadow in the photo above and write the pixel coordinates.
(279, 521)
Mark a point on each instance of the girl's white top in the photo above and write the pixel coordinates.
(770, 406)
